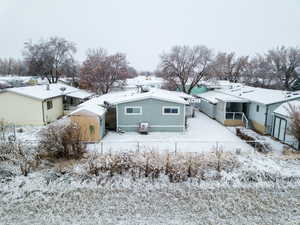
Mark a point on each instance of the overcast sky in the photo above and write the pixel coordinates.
(143, 29)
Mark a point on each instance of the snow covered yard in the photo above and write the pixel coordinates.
(261, 191)
(203, 134)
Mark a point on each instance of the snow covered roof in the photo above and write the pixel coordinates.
(145, 81)
(129, 96)
(40, 91)
(284, 108)
(89, 109)
(81, 94)
(262, 95)
(216, 96)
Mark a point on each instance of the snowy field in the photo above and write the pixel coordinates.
(48, 197)
(203, 134)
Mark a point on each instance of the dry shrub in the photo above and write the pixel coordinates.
(177, 167)
(15, 153)
(252, 141)
(294, 126)
(61, 141)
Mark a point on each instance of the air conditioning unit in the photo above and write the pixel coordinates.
(144, 128)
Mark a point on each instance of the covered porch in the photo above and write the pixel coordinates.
(232, 111)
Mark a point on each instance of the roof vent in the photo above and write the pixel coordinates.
(63, 89)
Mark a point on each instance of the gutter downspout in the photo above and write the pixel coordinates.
(43, 112)
(266, 118)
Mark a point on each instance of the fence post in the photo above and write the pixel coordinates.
(138, 146)
(101, 148)
(175, 147)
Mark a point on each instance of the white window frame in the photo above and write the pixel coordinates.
(133, 114)
(171, 107)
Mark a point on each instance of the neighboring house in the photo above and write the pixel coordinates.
(246, 105)
(162, 110)
(37, 105)
(91, 120)
(228, 110)
(282, 122)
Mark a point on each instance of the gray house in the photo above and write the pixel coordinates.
(244, 105)
(164, 111)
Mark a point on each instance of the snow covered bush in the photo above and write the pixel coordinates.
(177, 167)
(61, 141)
(294, 127)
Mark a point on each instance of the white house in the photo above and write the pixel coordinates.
(245, 105)
(38, 105)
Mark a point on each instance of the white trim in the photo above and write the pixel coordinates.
(184, 108)
(133, 114)
(117, 118)
(152, 126)
(170, 114)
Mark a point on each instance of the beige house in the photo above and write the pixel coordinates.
(37, 105)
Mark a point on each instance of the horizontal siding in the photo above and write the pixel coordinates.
(20, 110)
(151, 113)
(208, 108)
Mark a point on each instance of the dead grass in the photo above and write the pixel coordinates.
(178, 167)
(290, 153)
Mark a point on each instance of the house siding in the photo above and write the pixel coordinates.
(208, 108)
(151, 113)
(56, 111)
(20, 110)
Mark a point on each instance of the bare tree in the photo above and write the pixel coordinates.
(284, 61)
(184, 66)
(51, 58)
(294, 127)
(259, 73)
(227, 66)
(100, 71)
(11, 66)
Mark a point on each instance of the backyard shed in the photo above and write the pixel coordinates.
(282, 122)
(91, 120)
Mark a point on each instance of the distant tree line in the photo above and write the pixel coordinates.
(53, 58)
(10, 66)
(184, 66)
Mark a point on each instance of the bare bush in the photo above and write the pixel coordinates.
(177, 167)
(61, 141)
(294, 127)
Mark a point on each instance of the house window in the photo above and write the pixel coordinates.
(133, 110)
(166, 110)
(92, 129)
(49, 104)
(257, 108)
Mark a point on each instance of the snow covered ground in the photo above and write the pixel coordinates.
(261, 189)
(48, 197)
(203, 134)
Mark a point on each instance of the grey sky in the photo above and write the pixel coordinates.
(144, 29)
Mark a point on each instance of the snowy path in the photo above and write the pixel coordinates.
(202, 134)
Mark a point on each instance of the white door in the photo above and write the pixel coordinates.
(282, 130)
(276, 127)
